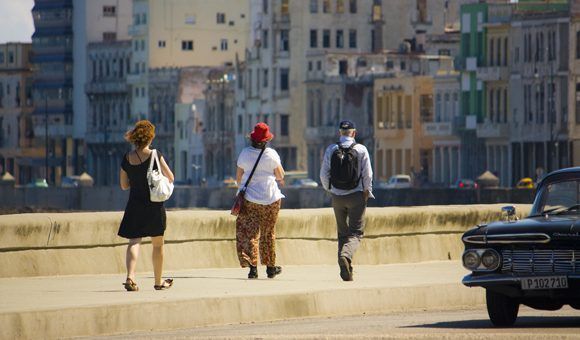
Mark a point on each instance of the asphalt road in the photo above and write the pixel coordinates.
(454, 324)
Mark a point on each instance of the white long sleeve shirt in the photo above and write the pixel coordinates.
(366, 182)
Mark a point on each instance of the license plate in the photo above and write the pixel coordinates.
(544, 282)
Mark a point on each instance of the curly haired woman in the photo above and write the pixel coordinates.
(142, 217)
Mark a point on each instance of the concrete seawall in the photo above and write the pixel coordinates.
(86, 243)
(114, 199)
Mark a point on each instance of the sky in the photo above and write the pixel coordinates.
(16, 21)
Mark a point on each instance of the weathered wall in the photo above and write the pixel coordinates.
(83, 243)
(114, 199)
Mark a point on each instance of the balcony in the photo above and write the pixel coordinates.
(212, 138)
(320, 133)
(54, 130)
(135, 78)
(492, 73)
(471, 64)
(137, 30)
(438, 129)
(106, 87)
(492, 130)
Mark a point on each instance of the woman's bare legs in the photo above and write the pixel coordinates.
(157, 243)
(132, 256)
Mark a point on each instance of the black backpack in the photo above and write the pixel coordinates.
(344, 168)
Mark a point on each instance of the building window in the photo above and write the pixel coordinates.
(109, 36)
(313, 6)
(109, 11)
(339, 6)
(313, 38)
(352, 38)
(265, 6)
(578, 45)
(352, 6)
(284, 83)
(265, 78)
(187, 45)
(339, 38)
(1, 57)
(284, 125)
(284, 41)
(190, 20)
(284, 10)
(224, 44)
(318, 65)
(143, 18)
(221, 18)
(325, 6)
(265, 37)
(161, 43)
(326, 38)
(426, 107)
(142, 45)
(10, 57)
(577, 103)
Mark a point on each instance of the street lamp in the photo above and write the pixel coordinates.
(46, 136)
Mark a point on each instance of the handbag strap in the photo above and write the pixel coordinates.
(154, 159)
(253, 169)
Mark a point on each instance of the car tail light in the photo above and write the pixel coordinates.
(461, 185)
(475, 185)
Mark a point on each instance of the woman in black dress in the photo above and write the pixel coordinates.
(142, 217)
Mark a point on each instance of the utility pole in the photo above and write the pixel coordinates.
(46, 136)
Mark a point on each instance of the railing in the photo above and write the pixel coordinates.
(137, 30)
(119, 86)
(438, 129)
(492, 130)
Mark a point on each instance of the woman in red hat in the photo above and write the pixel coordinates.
(257, 218)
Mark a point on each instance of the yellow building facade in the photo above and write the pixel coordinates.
(402, 105)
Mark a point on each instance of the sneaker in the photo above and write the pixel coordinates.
(345, 268)
(253, 274)
(273, 271)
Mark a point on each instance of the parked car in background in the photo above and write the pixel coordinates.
(229, 182)
(38, 183)
(464, 183)
(398, 182)
(70, 181)
(303, 183)
(525, 183)
(534, 261)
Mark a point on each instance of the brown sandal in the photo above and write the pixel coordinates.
(164, 285)
(130, 285)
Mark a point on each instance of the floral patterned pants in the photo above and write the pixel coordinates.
(257, 221)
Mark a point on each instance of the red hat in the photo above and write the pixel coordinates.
(261, 133)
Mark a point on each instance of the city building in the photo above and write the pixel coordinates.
(403, 106)
(189, 110)
(109, 113)
(273, 79)
(339, 86)
(181, 33)
(21, 153)
(218, 125)
(61, 104)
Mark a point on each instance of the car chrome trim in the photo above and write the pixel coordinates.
(470, 280)
(508, 238)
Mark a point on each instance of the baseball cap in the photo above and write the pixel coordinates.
(346, 125)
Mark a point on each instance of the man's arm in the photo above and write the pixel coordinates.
(367, 174)
(325, 170)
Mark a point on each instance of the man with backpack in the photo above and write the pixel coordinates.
(346, 172)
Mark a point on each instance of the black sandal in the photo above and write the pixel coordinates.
(164, 285)
(130, 285)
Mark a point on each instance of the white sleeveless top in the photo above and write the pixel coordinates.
(263, 188)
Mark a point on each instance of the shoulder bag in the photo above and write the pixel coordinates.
(160, 188)
(239, 200)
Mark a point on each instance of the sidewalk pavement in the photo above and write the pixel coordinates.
(65, 306)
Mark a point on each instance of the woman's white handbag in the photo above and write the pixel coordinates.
(160, 188)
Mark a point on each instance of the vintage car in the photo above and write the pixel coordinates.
(533, 261)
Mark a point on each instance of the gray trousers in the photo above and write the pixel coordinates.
(349, 211)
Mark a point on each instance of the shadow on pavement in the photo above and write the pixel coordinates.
(521, 322)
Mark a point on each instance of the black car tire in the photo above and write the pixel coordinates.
(502, 310)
